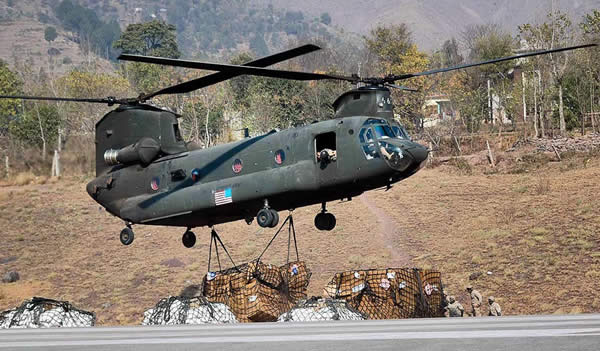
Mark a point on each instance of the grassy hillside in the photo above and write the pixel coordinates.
(535, 231)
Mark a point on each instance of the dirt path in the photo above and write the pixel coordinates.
(391, 234)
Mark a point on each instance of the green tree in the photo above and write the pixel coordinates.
(240, 85)
(82, 117)
(10, 84)
(555, 32)
(588, 62)
(88, 27)
(258, 45)
(154, 38)
(38, 126)
(275, 103)
(397, 54)
(50, 34)
(468, 89)
(447, 55)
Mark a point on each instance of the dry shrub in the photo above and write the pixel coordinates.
(41, 180)
(529, 162)
(543, 186)
(24, 178)
(461, 165)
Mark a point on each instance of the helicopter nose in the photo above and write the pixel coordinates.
(419, 153)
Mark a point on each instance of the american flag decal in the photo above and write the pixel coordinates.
(223, 197)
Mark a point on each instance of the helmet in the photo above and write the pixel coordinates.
(451, 299)
(491, 299)
(469, 287)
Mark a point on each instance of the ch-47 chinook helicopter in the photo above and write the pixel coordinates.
(145, 173)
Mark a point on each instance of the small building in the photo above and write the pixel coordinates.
(437, 108)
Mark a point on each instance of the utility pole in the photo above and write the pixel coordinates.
(491, 112)
(535, 106)
(524, 100)
(7, 165)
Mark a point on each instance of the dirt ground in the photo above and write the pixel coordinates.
(529, 236)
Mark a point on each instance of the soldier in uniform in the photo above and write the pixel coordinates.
(495, 309)
(476, 300)
(455, 309)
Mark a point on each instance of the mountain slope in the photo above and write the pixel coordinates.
(434, 21)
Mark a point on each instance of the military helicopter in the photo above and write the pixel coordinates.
(146, 174)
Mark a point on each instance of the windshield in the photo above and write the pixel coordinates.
(400, 132)
(384, 132)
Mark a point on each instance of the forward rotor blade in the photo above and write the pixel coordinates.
(236, 69)
(109, 100)
(401, 87)
(215, 78)
(502, 59)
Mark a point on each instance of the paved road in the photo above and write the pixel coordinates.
(573, 332)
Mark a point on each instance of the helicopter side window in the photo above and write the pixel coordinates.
(325, 147)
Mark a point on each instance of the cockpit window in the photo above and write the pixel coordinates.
(369, 135)
(400, 132)
(384, 132)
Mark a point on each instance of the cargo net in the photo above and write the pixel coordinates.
(392, 293)
(188, 310)
(40, 312)
(257, 291)
(319, 309)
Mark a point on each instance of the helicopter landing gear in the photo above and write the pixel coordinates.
(325, 220)
(126, 235)
(188, 239)
(267, 217)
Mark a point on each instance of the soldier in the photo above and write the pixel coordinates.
(476, 301)
(495, 309)
(455, 309)
(445, 303)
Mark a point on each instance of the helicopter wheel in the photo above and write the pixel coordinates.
(330, 221)
(275, 219)
(325, 221)
(264, 218)
(188, 239)
(126, 236)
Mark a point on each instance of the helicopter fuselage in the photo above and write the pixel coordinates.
(281, 169)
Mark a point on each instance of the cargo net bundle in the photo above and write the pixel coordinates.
(392, 293)
(175, 310)
(256, 291)
(40, 312)
(321, 309)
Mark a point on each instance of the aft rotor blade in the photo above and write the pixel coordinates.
(218, 77)
(502, 59)
(236, 69)
(108, 100)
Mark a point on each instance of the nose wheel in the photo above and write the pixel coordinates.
(188, 239)
(126, 235)
(325, 220)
